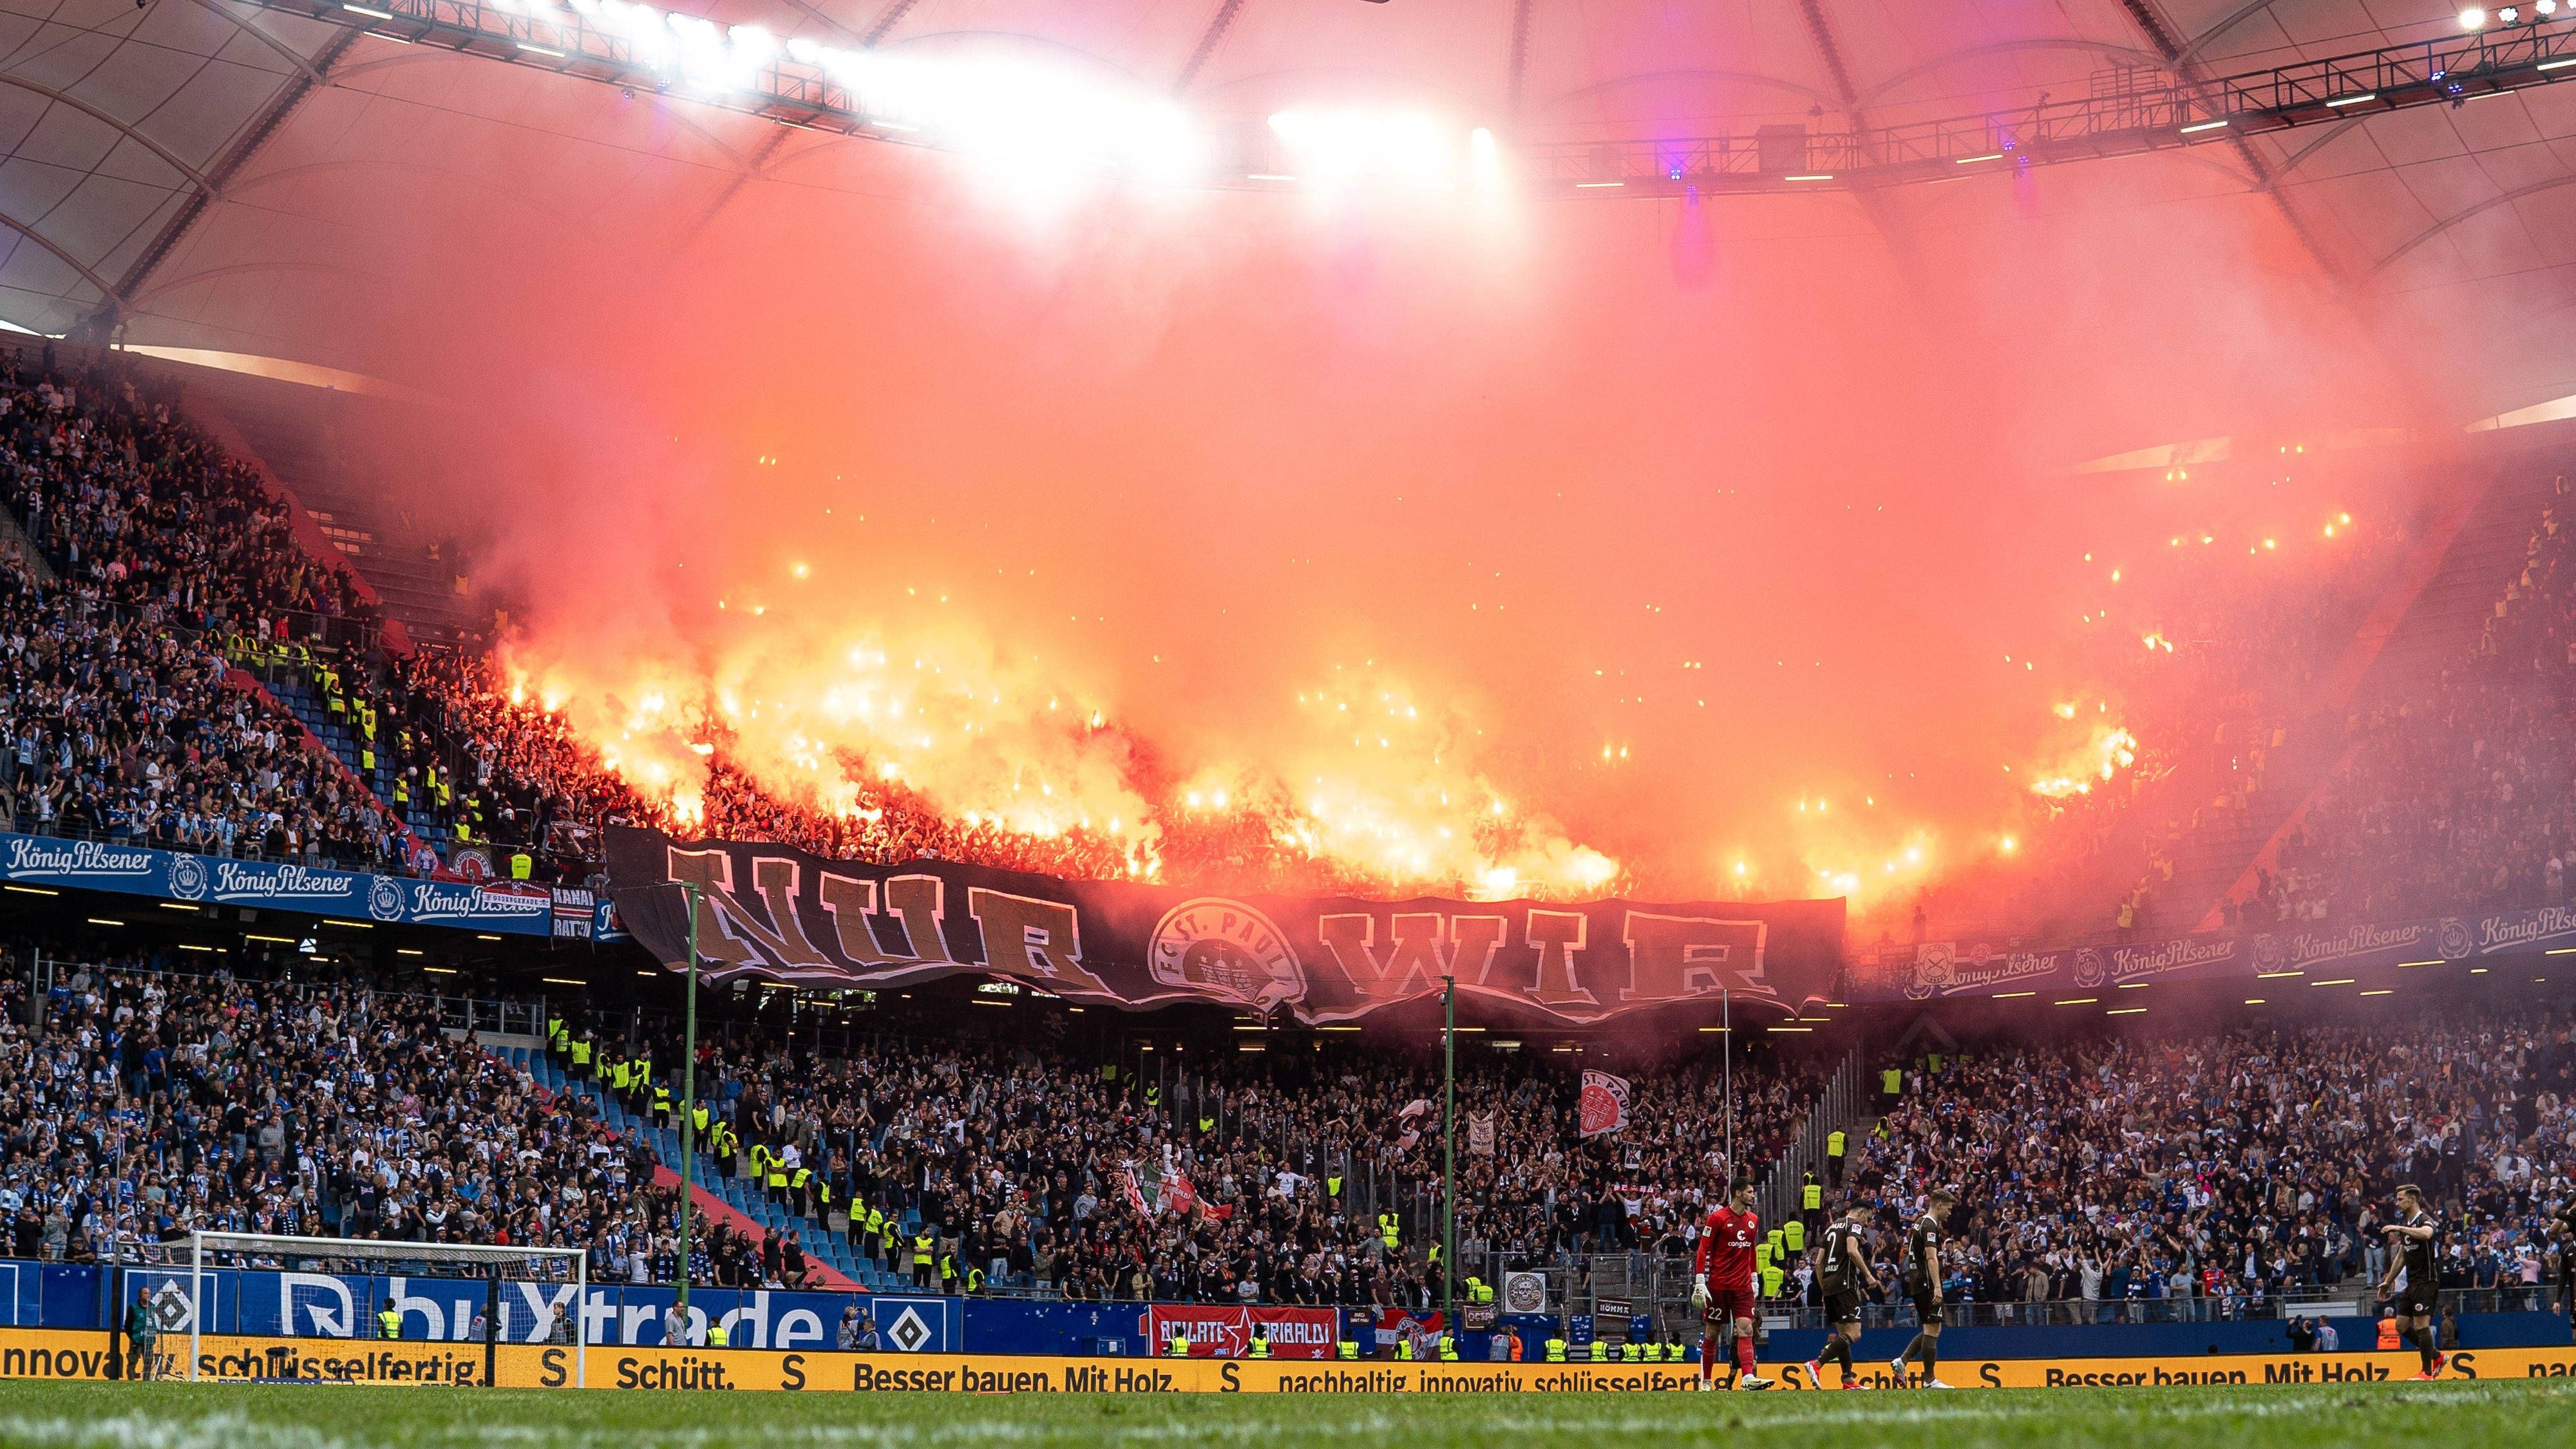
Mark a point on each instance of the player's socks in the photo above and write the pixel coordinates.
(1931, 1357)
(1744, 1355)
(2424, 1349)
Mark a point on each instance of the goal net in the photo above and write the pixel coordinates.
(452, 1303)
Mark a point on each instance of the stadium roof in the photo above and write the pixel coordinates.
(238, 175)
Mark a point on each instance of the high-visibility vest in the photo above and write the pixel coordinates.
(2388, 1333)
(1179, 1347)
(1207, 1124)
(715, 1335)
(921, 1247)
(389, 1324)
(1771, 1240)
(1834, 1143)
(1793, 1236)
(777, 1172)
(876, 1221)
(947, 1268)
(1631, 1352)
(1390, 1229)
(1772, 1279)
(1346, 1349)
(974, 1280)
(1761, 1255)
(619, 1074)
(1556, 1350)
(1812, 1196)
(803, 1175)
(1260, 1343)
(1332, 1187)
(699, 1114)
(1404, 1348)
(1600, 1350)
(661, 1098)
(1448, 1349)
(1515, 1341)
(1891, 1081)
(759, 1159)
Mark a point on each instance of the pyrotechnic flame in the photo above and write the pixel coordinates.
(1369, 784)
(2104, 754)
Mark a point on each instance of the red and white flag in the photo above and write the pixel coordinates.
(1603, 1106)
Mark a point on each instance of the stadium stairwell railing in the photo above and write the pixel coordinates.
(821, 1244)
(1777, 1197)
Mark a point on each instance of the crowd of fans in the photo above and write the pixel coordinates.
(2458, 795)
(1057, 1177)
(120, 720)
(2239, 1168)
(148, 1105)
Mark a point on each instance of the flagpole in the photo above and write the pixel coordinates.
(1448, 1150)
(1726, 1018)
(688, 1103)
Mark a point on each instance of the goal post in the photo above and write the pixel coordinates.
(482, 1264)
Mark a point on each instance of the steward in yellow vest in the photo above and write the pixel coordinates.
(1555, 1349)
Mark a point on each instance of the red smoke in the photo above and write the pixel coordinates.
(1664, 525)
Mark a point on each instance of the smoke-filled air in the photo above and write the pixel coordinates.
(1399, 542)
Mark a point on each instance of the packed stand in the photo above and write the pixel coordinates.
(1311, 1182)
(2458, 796)
(150, 1105)
(2234, 1170)
(122, 721)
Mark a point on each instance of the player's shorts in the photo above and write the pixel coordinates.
(1727, 1303)
(2412, 1302)
(1842, 1307)
(1927, 1306)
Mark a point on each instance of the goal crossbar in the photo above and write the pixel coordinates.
(377, 1250)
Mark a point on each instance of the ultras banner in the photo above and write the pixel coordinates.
(783, 914)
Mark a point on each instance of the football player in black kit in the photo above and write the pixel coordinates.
(1843, 1272)
(1922, 1269)
(2412, 1285)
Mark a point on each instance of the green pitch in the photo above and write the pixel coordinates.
(171, 1416)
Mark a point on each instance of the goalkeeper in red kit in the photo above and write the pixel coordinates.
(1722, 1285)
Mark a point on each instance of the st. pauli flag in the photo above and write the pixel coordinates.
(1603, 1107)
(1480, 1135)
(780, 913)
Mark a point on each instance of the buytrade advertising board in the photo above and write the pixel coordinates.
(52, 1355)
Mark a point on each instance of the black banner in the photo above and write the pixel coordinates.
(785, 915)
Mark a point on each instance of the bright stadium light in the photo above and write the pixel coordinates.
(1351, 145)
(2473, 18)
